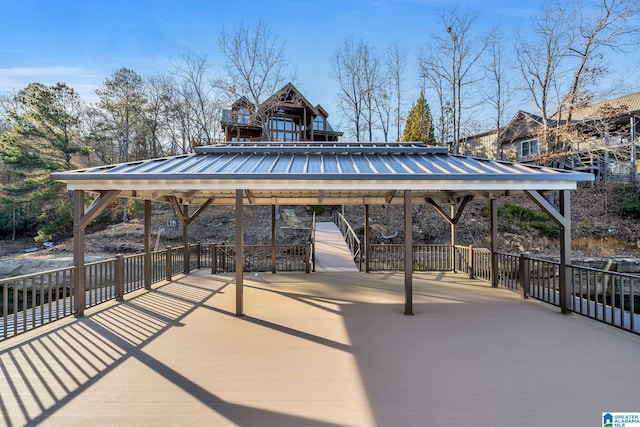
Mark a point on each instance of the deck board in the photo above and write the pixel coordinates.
(324, 349)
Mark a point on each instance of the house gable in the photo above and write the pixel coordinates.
(286, 115)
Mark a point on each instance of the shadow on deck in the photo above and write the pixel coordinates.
(329, 349)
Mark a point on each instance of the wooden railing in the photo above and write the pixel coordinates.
(350, 236)
(257, 258)
(33, 300)
(425, 257)
(36, 299)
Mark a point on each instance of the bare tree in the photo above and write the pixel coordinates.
(158, 90)
(199, 105)
(437, 83)
(540, 61)
(255, 65)
(384, 107)
(373, 87)
(452, 59)
(603, 24)
(347, 69)
(395, 63)
(497, 94)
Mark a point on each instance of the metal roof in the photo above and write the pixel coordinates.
(318, 173)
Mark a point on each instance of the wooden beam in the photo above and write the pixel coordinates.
(273, 239)
(455, 215)
(439, 209)
(565, 252)
(147, 244)
(239, 255)
(389, 196)
(463, 204)
(185, 240)
(494, 242)
(408, 254)
(367, 239)
(547, 207)
(249, 196)
(178, 210)
(79, 285)
(201, 209)
(183, 216)
(104, 199)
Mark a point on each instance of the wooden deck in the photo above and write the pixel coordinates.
(324, 349)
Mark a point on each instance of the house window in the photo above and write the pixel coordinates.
(243, 116)
(529, 148)
(318, 123)
(283, 128)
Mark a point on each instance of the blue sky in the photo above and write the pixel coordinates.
(82, 42)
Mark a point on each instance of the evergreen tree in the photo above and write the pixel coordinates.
(419, 124)
(42, 137)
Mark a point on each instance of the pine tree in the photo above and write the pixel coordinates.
(419, 125)
(43, 136)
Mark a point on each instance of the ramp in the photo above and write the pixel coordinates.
(332, 252)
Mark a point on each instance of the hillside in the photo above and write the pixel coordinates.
(598, 230)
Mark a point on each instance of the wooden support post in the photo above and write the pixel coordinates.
(168, 263)
(239, 255)
(199, 250)
(119, 278)
(523, 274)
(453, 238)
(367, 238)
(147, 244)
(565, 252)
(214, 259)
(470, 262)
(494, 243)
(408, 254)
(273, 239)
(79, 285)
(185, 238)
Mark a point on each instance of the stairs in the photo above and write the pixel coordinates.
(290, 218)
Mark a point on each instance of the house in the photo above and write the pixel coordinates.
(286, 116)
(482, 145)
(597, 139)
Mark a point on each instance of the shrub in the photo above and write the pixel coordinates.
(627, 198)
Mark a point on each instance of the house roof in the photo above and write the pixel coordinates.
(280, 97)
(630, 103)
(318, 173)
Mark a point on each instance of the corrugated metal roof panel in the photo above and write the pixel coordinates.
(319, 173)
(401, 166)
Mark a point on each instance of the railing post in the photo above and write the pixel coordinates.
(524, 275)
(168, 265)
(307, 259)
(223, 259)
(214, 258)
(199, 246)
(118, 285)
(471, 263)
(185, 258)
(453, 258)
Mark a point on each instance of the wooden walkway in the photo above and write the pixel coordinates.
(332, 252)
(324, 349)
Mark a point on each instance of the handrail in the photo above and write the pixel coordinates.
(311, 240)
(350, 236)
(32, 300)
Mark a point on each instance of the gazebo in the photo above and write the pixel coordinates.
(318, 173)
